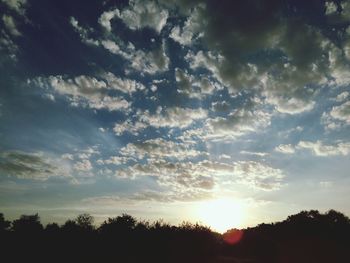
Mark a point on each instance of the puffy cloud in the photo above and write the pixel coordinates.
(174, 117)
(83, 165)
(239, 122)
(17, 5)
(338, 117)
(259, 175)
(83, 32)
(150, 62)
(123, 85)
(190, 30)
(260, 154)
(10, 25)
(106, 17)
(341, 112)
(116, 160)
(142, 14)
(160, 149)
(331, 8)
(342, 96)
(285, 148)
(130, 127)
(35, 166)
(194, 87)
(320, 149)
(179, 174)
(137, 15)
(86, 91)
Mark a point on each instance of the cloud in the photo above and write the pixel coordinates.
(285, 148)
(342, 96)
(123, 85)
(83, 165)
(137, 15)
(260, 154)
(116, 160)
(129, 127)
(338, 117)
(341, 112)
(258, 175)
(174, 117)
(184, 195)
(10, 25)
(238, 122)
(87, 91)
(160, 149)
(142, 14)
(194, 87)
(191, 29)
(179, 175)
(106, 17)
(320, 149)
(83, 32)
(29, 165)
(17, 5)
(150, 62)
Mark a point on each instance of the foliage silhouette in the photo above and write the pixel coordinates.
(308, 236)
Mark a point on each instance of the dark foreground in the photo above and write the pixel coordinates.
(305, 237)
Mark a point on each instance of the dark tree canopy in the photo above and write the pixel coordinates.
(309, 236)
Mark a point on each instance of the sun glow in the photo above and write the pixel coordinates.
(221, 214)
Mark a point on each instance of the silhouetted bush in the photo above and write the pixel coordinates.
(308, 236)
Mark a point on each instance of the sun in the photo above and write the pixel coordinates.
(221, 214)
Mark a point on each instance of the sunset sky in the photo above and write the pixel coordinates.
(230, 113)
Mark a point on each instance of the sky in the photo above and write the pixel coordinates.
(228, 113)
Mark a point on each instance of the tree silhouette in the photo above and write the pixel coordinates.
(27, 224)
(4, 224)
(308, 236)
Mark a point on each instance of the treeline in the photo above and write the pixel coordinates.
(308, 236)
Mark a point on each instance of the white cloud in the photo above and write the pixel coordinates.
(116, 160)
(239, 122)
(130, 127)
(137, 15)
(194, 87)
(83, 33)
(320, 149)
(84, 91)
(260, 154)
(106, 17)
(160, 149)
(179, 175)
(342, 96)
(10, 25)
(17, 5)
(150, 62)
(331, 8)
(285, 148)
(83, 165)
(142, 14)
(259, 175)
(192, 27)
(174, 117)
(338, 117)
(341, 112)
(123, 85)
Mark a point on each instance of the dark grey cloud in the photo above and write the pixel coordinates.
(25, 165)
